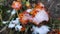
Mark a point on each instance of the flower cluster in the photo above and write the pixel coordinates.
(35, 16)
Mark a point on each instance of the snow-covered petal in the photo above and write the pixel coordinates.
(15, 21)
(41, 4)
(28, 10)
(41, 16)
(18, 27)
(41, 30)
(11, 25)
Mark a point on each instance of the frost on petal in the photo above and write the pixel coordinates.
(18, 28)
(28, 10)
(41, 16)
(11, 25)
(15, 21)
(41, 30)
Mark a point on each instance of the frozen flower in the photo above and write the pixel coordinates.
(41, 16)
(11, 26)
(23, 18)
(16, 21)
(13, 23)
(41, 30)
(18, 27)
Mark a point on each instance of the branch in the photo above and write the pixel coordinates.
(51, 5)
(3, 29)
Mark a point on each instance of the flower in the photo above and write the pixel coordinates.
(40, 6)
(23, 18)
(18, 27)
(11, 26)
(41, 30)
(16, 5)
(13, 23)
(33, 12)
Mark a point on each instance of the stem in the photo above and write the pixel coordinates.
(51, 5)
(17, 12)
(1, 16)
(3, 28)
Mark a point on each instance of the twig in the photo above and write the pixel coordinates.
(51, 5)
(17, 12)
(1, 16)
(6, 25)
(27, 29)
(3, 28)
